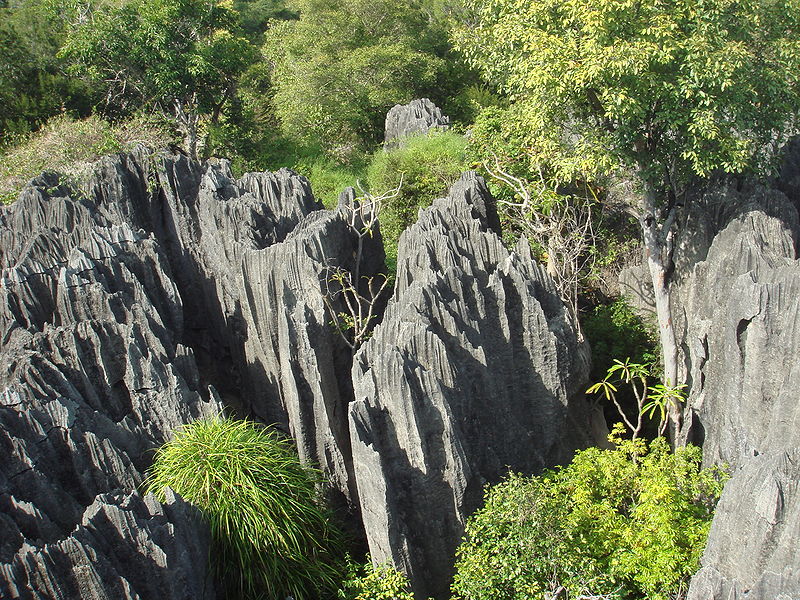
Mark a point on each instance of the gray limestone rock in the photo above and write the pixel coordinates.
(414, 118)
(110, 296)
(124, 548)
(474, 370)
(738, 325)
(93, 378)
(740, 329)
(752, 547)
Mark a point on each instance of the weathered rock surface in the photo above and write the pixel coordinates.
(741, 334)
(93, 378)
(472, 372)
(752, 547)
(416, 117)
(737, 320)
(125, 547)
(110, 298)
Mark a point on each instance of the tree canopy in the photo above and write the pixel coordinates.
(661, 91)
(654, 85)
(340, 67)
(182, 56)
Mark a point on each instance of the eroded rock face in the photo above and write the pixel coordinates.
(473, 372)
(737, 319)
(752, 547)
(741, 337)
(119, 306)
(110, 297)
(416, 117)
(93, 378)
(125, 547)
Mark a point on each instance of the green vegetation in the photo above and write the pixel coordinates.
(33, 85)
(68, 145)
(368, 582)
(180, 57)
(628, 523)
(616, 330)
(340, 67)
(660, 91)
(658, 398)
(272, 535)
(428, 165)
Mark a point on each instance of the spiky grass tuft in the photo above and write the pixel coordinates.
(272, 535)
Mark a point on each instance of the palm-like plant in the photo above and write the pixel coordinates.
(272, 536)
(649, 400)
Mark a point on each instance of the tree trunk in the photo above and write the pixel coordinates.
(187, 123)
(656, 236)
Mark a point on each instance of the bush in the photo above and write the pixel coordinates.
(629, 523)
(272, 536)
(368, 582)
(615, 330)
(429, 165)
(68, 146)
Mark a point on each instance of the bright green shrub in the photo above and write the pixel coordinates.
(429, 165)
(272, 535)
(368, 582)
(630, 523)
(68, 146)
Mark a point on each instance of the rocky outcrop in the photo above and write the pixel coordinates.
(741, 336)
(292, 351)
(416, 117)
(93, 378)
(741, 332)
(752, 547)
(124, 548)
(737, 321)
(473, 372)
(165, 289)
(111, 296)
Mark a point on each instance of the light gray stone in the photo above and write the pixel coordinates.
(474, 370)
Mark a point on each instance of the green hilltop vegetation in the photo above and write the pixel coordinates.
(555, 102)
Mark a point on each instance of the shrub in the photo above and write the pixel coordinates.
(68, 146)
(429, 165)
(370, 582)
(628, 523)
(272, 536)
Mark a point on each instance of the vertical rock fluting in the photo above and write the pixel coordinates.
(473, 371)
(752, 546)
(250, 258)
(92, 379)
(740, 336)
(110, 297)
(741, 333)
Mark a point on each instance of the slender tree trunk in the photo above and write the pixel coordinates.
(657, 238)
(187, 122)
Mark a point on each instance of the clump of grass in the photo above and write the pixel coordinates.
(69, 146)
(272, 535)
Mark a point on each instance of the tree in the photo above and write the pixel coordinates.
(182, 57)
(660, 91)
(33, 86)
